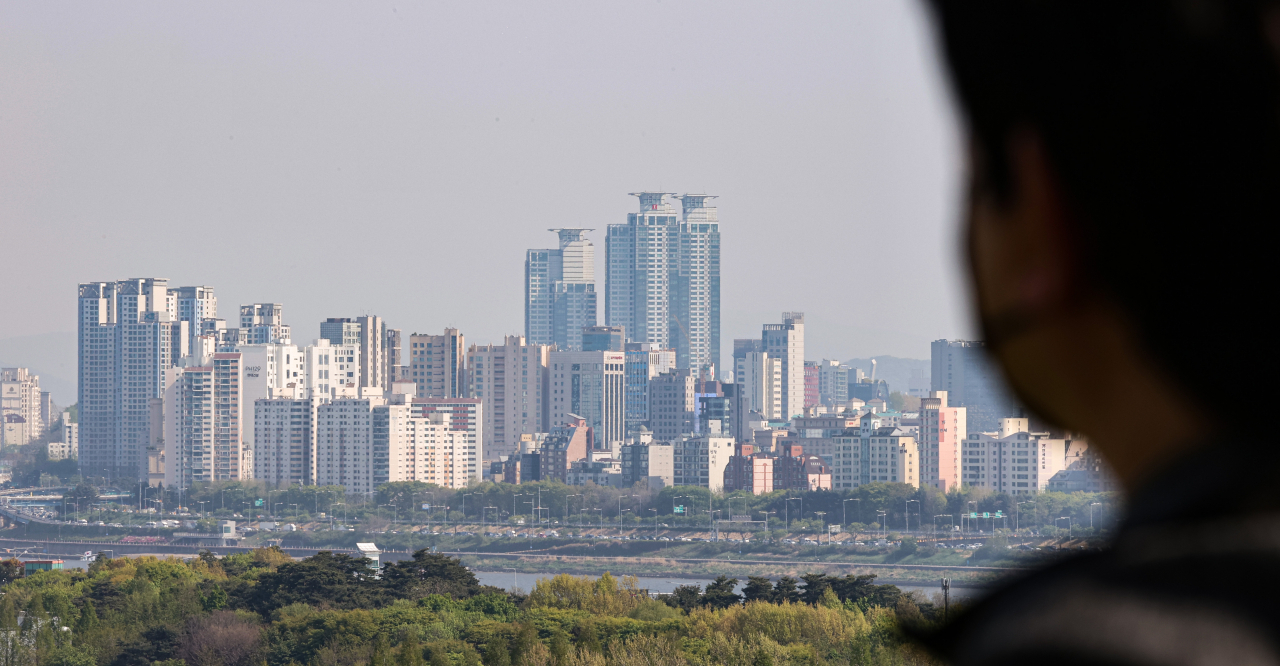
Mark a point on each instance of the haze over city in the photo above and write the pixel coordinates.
(399, 160)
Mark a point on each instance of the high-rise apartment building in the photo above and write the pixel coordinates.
(20, 399)
(204, 422)
(812, 372)
(590, 385)
(438, 364)
(943, 432)
(263, 323)
(785, 342)
(511, 380)
(369, 335)
(394, 346)
(644, 362)
(458, 438)
(833, 383)
(759, 380)
(963, 369)
(345, 443)
(195, 305)
(671, 405)
(285, 440)
(126, 343)
(663, 282)
(1012, 460)
(560, 291)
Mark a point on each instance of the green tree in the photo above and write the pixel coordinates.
(785, 591)
(758, 588)
(720, 593)
(429, 573)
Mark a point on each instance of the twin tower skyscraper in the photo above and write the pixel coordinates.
(662, 282)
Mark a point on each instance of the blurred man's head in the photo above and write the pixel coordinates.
(1125, 165)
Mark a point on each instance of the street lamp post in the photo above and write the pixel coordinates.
(821, 516)
(655, 523)
(766, 523)
(1091, 513)
(620, 511)
(884, 518)
(568, 511)
(907, 516)
(787, 510)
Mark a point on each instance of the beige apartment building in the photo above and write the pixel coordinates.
(20, 406)
(511, 380)
(942, 435)
(1013, 460)
(437, 364)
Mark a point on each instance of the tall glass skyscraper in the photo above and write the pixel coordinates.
(663, 282)
(560, 291)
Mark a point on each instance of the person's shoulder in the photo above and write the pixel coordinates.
(1196, 606)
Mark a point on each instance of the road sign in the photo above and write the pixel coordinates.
(986, 515)
(973, 514)
(679, 509)
(257, 502)
(426, 507)
(999, 514)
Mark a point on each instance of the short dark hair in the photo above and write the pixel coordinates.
(1162, 120)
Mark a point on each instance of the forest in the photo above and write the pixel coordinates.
(264, 608)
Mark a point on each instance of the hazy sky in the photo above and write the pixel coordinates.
(399, 159)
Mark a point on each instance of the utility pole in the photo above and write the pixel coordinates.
(946, 598)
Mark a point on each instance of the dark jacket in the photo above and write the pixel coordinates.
(1191, 578)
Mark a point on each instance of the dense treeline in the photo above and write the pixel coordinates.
(332, 610)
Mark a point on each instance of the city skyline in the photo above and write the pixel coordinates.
(358, 143)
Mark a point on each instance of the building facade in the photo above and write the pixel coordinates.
(833, 382)
(642, 461)
(644, 361)
(285, 440)
(560, 291)
(785, 342)
(263, 323)
(511, 380)
(368, 335)
(701, 461)
(590, 385)
(663, 282)
(438, 364)
(963, 369)
(942, 435)
(671, 405)
(20, 397)
(1013, 460)
(203, 411)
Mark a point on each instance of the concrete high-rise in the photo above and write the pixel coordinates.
(204, 422)
(663, 282)
(963, 369)
(644, 362)
(510, 379)
(369, 335)
(195, 306)
(759, 393)
(590, 385)
(20, 406)
(560, 291)
(942, 436)
(126, 343)
(785, 342)
(438, 363)
(263, 323)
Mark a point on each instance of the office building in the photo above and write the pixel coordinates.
(785, 342)
(603, 338)
(590, 385)
(644, 362)
(963, 369)
(663, 282)
(126, 338)
(833, 383)
(438, 364)
(560, 291)
(20, 406)
(942, 434)
(648, 462)
(511, 380)
(701, 461)
(263, 323)
(671, 405)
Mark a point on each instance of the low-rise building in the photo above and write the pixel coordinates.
(645, 460)
(701, 461)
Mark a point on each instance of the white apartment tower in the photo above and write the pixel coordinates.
(510, 379)
(785, 342)
(560, 291)
(195, 306)
(263, 323)
(126, 338)
(437, 364)
(203, 417)
(20, 404)
(284, 440)
(663, 282)
(369, 335)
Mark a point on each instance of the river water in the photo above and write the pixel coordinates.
(524, 582)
